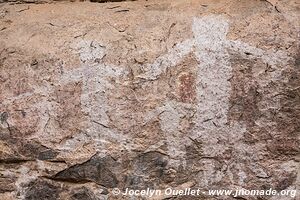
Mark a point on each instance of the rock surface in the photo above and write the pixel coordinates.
(148, 94)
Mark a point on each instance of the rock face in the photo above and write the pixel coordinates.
(148, 94)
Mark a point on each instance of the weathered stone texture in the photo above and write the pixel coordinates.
(148, 94)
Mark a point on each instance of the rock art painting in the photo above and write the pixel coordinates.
(107, 100)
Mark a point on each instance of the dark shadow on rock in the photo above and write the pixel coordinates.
(94, 170)
(148, 169)
(42, 190)
(24, 150)
(83, 193)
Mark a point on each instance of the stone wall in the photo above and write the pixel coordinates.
(148, 94)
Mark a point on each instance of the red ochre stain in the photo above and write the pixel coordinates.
(187, 90)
